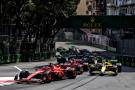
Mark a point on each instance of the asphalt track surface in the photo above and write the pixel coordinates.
(123, 81)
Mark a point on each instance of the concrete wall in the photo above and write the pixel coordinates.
(98, 39)
(68, 35)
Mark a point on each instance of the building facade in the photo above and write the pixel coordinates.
(123, 38)
(112, 7)
(87, 7)
(127, 7)
(91, 7)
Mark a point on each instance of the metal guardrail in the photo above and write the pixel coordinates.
(127, 60)
(108, 48)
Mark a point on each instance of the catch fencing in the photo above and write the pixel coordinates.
(127, 60)
(13, 58)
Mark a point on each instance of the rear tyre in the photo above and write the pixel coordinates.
(85, 68)
(91, 72)
(79, 70)
(23, 74)
(119, 68)
(20, 76)
(47, 78)
(71, 74)
(101, 74)
(115, 72)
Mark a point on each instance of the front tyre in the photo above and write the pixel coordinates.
(22, 74)
(91, 74)
(116, 72)
(16, 77)
(85, 68)
(119, 68)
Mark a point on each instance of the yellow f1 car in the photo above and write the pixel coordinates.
(104, 68)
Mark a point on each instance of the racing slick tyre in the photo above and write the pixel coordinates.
(56, 77)
(79, 70)
(85, 68)
(115, 72)
(101, 74)
(90, 72)
(71, 74)
(47, 78)
(16, 77)
(22, 74)
(119, 68)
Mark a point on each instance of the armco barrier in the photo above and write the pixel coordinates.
(37, 56)
(127, 61)
(43, 55)
(1, 59)
(18, 57)
(4, 59)
(12, 58)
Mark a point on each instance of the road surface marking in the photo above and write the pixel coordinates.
(6, 81)
(18, 68)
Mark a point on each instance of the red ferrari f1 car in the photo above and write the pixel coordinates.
(45, 74)
(73, 64)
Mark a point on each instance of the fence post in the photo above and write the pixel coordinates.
(132, 62)
(18, 56)
(8, 59)
(45, 55)
(0, 59)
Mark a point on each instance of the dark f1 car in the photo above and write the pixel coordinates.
(45, 74)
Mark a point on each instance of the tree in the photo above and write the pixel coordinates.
(51, 14)
(38, 20)
(11, 17)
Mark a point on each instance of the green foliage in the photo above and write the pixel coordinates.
(37, 18)
(28, 10)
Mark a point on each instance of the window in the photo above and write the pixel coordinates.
(87, 12)
(94, 5)
(87, 2)
(89, 7)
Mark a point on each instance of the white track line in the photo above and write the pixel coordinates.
(6, 81)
